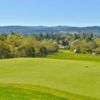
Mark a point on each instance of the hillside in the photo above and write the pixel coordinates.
(58, 29)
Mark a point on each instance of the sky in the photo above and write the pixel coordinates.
(50, 12)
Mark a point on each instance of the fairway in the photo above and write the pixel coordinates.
(78, 79)
(66, 54)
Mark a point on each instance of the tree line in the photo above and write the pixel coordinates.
(79, 43)
(38, 45)
(18, 45)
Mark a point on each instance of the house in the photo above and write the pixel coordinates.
(61, 46)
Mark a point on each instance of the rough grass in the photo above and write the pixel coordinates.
(80, 80)
(65, 54)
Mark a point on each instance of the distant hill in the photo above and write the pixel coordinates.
(58, 29)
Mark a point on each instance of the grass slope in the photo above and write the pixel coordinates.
(71, 76)
(65, 54)
(29, 92)
(13, 92)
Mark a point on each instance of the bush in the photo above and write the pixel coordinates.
(85, 50)
(97, 50)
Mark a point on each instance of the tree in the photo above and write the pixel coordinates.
(14, 41)
(26, 49)
(4, 50)
(50, 45)
(43, 51)
(88, 38)
(75, 36)
(96, 50)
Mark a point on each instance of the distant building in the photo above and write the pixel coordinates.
(61, 46)
(94, 53)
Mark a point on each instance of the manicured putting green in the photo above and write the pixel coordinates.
(79, 79)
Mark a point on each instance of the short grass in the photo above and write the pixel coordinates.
(13, 92)
(30, 92)
(53, 79)
(66, 54)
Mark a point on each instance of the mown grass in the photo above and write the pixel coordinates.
(65, 54)
(80, 80)
(9, 92)
(29, 92)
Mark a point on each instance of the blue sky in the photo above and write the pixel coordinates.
(50, 12)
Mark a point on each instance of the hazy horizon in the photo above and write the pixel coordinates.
(48, 26)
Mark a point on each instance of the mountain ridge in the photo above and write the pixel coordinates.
(49, 29)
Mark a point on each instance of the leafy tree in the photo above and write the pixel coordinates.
(4, 50)
(43, 51)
